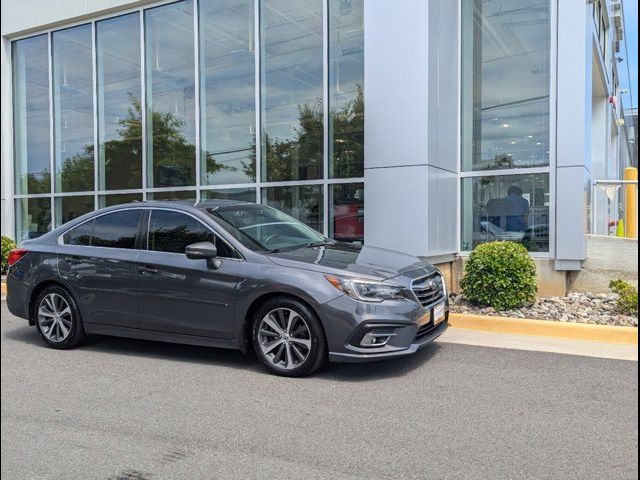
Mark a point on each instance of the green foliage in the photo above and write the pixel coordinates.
(501, 275)
(7, 246)
(628, 297)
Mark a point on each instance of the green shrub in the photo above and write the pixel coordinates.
(628, 297)
(7, 246)
(501, 275)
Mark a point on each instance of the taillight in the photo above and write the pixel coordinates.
(16, 255)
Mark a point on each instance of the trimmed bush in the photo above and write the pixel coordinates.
(628, 297)
(7, 246)
(501, 275)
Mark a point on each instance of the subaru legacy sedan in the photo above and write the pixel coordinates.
(225, 274)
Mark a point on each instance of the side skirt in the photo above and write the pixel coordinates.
(96, 329)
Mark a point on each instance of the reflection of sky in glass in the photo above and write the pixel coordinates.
(31, 115)
(171, 91)
(292, 76)
(118, 55)
(227, 90)
(511, 84)
(73, 108)
(346, 76)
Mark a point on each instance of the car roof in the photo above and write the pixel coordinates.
(179, 204)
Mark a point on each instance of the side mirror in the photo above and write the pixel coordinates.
(204, 251)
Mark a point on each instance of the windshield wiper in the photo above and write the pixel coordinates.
(302, 245)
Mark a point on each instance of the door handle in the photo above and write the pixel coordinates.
(146, 270)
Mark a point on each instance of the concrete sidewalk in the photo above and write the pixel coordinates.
(532, 343)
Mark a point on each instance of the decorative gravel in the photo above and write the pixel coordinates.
(594, 308)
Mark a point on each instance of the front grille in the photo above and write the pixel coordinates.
(428, 290)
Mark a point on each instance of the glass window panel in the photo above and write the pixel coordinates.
(80, 235)
(506, 84)
(170, 74)
(119, 199)
(73, 109)
(69, 208)
(116, 230)
(240, 194)
(510, 207)
(292, 84)
(31, 115)
(301, 202)
(33, 217)
(346, 212)
(173, 232)
(180, 195)
(346, 77)
(228, 121)
(119, 107)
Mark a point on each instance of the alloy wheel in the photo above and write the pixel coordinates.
(284, 338)
(55, 317)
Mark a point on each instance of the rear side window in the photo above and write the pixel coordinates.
(81, 235)
(172, 232)
(116, 230)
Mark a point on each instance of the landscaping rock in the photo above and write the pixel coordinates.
(592, 308)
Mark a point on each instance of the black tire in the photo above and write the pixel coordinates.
(316, 355)
(76, 334)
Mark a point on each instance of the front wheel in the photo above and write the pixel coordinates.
(288, 338)
(58, 319)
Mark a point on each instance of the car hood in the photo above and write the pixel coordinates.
(354, 260)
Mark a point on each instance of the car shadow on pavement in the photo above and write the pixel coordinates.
(390, 368)
(150, 349)
(343, 372)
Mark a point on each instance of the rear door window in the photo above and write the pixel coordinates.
(116, 230)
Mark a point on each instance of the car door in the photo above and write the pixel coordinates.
(179, 295)
(98, 260)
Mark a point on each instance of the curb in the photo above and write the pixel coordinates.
(546, 328)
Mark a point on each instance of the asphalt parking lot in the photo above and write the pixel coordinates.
(128, 409)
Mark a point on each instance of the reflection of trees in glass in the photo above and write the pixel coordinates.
(347, 123)
(123, 157)
(39, 182)
(298, 158)
(305, 149)
(77, 171)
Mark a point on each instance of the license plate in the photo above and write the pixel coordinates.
(438, 314)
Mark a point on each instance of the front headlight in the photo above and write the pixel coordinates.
(366, 290)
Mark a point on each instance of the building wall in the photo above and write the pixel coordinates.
(413, 77)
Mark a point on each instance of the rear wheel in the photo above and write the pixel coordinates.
(288, 338)
(58, 319)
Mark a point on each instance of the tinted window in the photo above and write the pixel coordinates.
(116, 230)
(80, 235)
(173, 231)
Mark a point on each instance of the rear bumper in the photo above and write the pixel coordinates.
(18, 293)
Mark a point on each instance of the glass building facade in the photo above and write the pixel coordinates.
(506, 135)
(257, 100)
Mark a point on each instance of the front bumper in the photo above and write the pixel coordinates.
(346, 321)
(372, 357)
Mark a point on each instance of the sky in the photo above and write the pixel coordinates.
(631, 30)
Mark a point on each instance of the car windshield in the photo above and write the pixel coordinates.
(265, 229)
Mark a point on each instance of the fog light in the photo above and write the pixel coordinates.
(376, 339)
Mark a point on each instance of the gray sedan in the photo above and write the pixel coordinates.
(225, 274)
